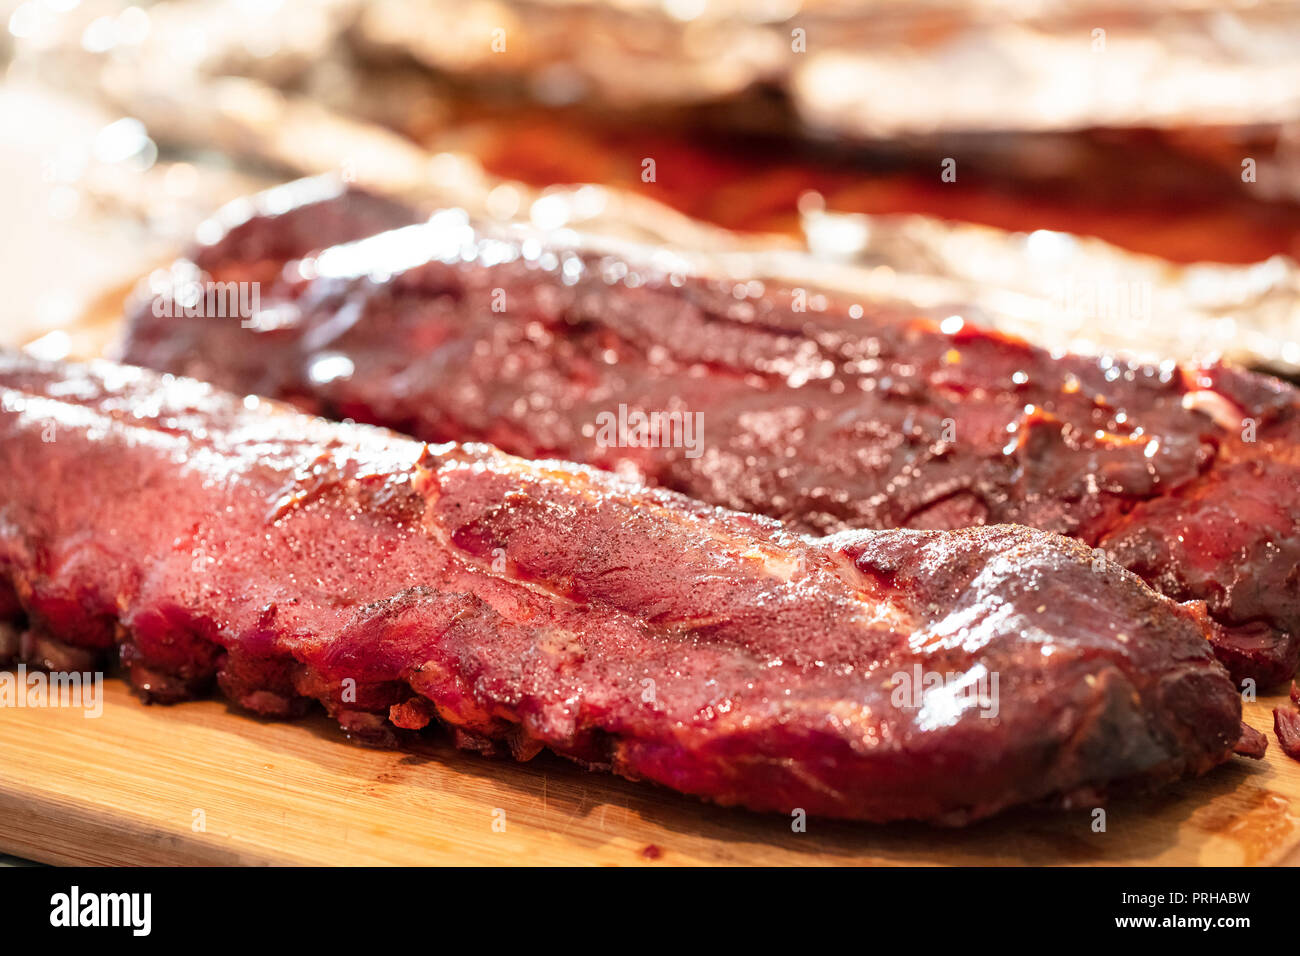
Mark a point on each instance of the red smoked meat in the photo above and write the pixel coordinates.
(201, 538)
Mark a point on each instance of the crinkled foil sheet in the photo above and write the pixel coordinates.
(882, 69)
(1069, 292)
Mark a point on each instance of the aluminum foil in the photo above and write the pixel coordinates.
(1155, 65)
(880, 68)
(863, 68)
(1068, 292)
(561, 52)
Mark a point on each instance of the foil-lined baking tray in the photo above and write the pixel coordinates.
(1056, 289)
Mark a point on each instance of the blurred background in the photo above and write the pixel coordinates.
(1089, 174)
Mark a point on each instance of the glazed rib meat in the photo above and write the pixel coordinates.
(873, 675)
(823, 413)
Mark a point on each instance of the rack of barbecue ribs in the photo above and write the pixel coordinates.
(877, 675)
(824, 414)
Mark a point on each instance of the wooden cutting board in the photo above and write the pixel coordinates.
(199, 783)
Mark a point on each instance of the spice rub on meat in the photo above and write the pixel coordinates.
(206, 539)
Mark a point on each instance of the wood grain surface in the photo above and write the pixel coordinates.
(200, 783)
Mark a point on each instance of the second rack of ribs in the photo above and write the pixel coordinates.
(821, 414)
